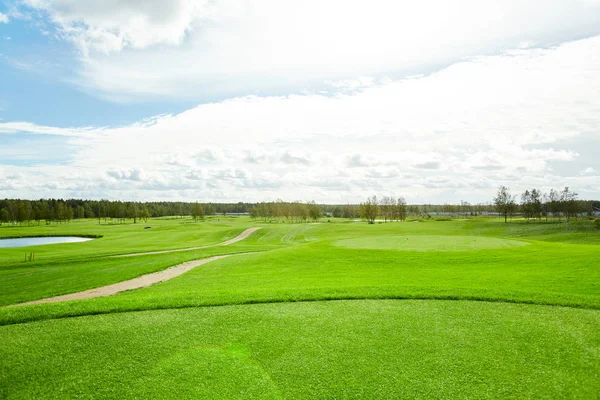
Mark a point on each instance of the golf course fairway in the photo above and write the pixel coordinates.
(473, 309)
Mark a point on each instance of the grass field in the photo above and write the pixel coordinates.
(435, 309)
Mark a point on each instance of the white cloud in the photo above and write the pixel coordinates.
(294, 157)
(4, 18)
(588, 171)
(136, 49)
(433, 165)
(451, 135)
(112, 25)
(133, 174)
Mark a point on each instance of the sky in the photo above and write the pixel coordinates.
(332, 101)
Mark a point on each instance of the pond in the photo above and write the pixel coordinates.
(35, 241)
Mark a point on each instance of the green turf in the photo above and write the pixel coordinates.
(428, 243)
(344, 349)
(67, 268)
(206, 328)
(302, 262)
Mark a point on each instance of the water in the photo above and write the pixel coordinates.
(36, 241)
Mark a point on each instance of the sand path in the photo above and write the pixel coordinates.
(239, 237)
(136, 283)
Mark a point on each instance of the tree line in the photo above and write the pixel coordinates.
(535, 204)
(287, 211)
(18, 211)
(389, 208)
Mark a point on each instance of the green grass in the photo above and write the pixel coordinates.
(205, 333)
(428, 243)
(120, 238)
(343, 349)
(67, 268)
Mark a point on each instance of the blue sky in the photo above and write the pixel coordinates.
(334, 101)
(35, 72)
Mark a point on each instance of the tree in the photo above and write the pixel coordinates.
(349, 211)
(314, 211)
(536, 203)
(88, 212)
(569, 203)
(131, 211)
(23, 211)
(504, 202)
(531, 204)
(337, 212)
(3, 216)
(386, 206)
(144, 213)
(40, 210)
(400, 209)
(554, 203)
(197, 211)
(79, 212)
(369, 209)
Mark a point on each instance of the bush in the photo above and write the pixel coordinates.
(597, 223)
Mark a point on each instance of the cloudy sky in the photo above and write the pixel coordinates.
(333, 101)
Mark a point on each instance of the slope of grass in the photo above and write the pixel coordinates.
(341, 349)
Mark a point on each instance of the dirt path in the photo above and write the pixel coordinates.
(239, 237)
(136, 283)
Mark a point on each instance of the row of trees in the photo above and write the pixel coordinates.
(287, 211)
(388, 208)
(59, 210)
(341, 211)
(535, 204)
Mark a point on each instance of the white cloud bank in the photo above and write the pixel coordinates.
(4, 18)
(453, 135)
(139, 49)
